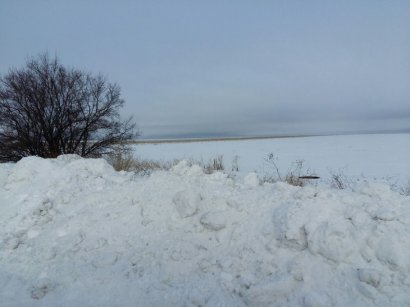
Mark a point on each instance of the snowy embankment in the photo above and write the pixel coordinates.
(76, 233)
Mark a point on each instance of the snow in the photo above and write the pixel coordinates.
(76, 233)
(384, 157)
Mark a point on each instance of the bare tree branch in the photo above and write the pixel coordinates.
(47, 109)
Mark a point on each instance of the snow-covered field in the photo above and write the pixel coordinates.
(76, 233)
(384, 157)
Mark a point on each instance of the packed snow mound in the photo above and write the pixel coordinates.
(76, 233)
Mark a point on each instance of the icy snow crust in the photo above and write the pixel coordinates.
(76, 233)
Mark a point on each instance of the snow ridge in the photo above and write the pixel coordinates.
(75, 232)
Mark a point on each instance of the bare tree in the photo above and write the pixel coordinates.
(47, 109)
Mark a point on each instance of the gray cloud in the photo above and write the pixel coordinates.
(217, 68)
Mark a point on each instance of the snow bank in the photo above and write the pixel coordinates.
(76, 233)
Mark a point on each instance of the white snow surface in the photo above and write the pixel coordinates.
(371, 157)
(76, 233)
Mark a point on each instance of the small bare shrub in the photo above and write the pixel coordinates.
(216, 164)
(296, 175)
(338, 180)
(235, 164)
(121, 162)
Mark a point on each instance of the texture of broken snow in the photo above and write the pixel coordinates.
(75, 232)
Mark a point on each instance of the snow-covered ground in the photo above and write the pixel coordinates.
(383, 157)
(76, 233)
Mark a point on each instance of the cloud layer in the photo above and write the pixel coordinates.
(231, 68)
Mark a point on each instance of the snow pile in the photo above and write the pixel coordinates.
(76, 233)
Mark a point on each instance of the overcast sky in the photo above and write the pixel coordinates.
(227, 68)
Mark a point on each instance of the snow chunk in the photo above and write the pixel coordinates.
(315, 299)
(269, 291)
(41, 288)
(104, 259)
(68, 158)
(373, 189)
(333, 241)
(30, 169)
(214, 220)
(370, 276)
(187, 203)
(92, 167)
(385, 214)
(390, 253)
(251, 180)
(289, 224)
(183, 168)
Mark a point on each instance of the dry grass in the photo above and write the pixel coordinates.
(338, 180)
(127, 162)
(215, 164)
(121, 162)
